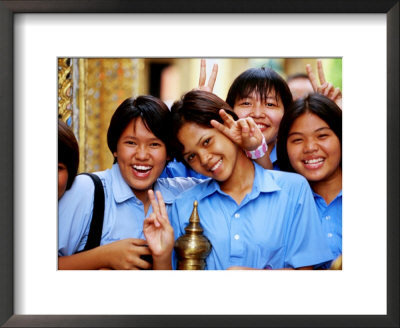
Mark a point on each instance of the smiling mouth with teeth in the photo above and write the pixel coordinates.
(314, 161)
(216, 166)
(142, 168)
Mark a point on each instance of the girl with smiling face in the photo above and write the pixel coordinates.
(262, 94)
(138, 138)
(309, 143)
(254, 218)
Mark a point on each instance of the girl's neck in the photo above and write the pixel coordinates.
(241, 180)
(143, 196)
(271, 146)
(328, 189)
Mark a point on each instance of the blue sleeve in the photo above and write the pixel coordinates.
(306, 244)
(75, 209)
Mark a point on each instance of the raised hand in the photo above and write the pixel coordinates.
(159, 233)
(203, 76)
(325, 88)
(244, 132)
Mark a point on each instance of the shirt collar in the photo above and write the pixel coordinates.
(120, 188)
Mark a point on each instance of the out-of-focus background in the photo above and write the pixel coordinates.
(90, 89)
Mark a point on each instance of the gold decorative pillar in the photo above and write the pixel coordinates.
(90, 89)
(64, 88)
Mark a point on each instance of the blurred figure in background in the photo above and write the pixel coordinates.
(300, 85)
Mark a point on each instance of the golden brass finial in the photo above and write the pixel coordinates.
(193, 247)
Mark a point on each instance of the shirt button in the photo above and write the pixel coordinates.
(237, 215)
(327, 217)
(236, 236)
(330, 235)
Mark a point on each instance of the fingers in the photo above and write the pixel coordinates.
(220, 127)
(202, 78)
(312, 78)
(163, 210)
(228, 120)
(321, 74)
(336, 94)
(159, 215)
(213, 77)
(137, 242)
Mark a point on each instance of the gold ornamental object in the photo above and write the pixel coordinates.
(193, 247)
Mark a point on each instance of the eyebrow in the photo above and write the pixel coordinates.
(317, 130)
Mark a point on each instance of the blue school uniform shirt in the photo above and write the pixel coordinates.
(274, 159)
(331, 220)
(275, 226)
(177, 169)
(123, 214)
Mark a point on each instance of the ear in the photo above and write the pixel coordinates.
(115, 154)
(168, 157)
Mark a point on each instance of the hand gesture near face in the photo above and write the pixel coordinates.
(244, 132)
(203, 76)
(159, 233)
(325, 88)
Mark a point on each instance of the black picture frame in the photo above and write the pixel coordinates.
(7, 172)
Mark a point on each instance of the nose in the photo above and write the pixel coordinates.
(141, 153)
(204, 157)
(310, 146)
(257, 111)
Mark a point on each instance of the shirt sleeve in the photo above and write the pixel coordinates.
(306, 244)
(75, 209)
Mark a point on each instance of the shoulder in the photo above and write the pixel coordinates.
(198, 191)
(179, 185)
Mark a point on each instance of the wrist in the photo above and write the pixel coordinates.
(259, 152)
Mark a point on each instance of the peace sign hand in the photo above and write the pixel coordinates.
(244, 132)
(158, 232)
(203, 76)
(325, 88)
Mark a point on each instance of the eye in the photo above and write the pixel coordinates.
(206, 142)
(323, 136)
(155, 145)
(244, 102)
(296, 140)
(189, 158)
(130, 142)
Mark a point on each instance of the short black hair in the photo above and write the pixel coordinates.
(314, 103)
(199, 107)
(262, 81)
(154, 113)
(68, 151)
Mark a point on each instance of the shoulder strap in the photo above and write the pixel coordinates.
(96, 226)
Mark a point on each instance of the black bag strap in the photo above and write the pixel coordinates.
(96, 226)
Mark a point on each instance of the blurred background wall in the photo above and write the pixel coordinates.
(90, 89)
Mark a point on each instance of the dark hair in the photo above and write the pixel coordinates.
(68, 151)
(297, 76)
(154, 113)
(262, 81)
(199, 107)
(314, 103)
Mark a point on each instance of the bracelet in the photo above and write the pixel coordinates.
(259, 152)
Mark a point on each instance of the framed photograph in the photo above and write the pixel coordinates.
(34, 34)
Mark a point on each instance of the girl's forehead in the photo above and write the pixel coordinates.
(260, 94)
